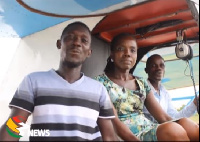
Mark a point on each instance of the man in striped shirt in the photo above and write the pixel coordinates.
(70, 105)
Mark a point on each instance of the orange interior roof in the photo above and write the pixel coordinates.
(150, 13)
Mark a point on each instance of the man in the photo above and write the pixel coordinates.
(70, 105)
(155, 68)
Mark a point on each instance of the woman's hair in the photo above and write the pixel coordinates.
(110, 65)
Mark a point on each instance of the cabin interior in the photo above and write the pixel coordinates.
(155, 23)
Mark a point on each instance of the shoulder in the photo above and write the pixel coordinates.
(39, 75)
(102, 78)
(92, 82)
(163, 87)
(142, 82)
(141, 79)
(164, 90)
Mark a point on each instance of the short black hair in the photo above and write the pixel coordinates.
(74, 24)
(118, 37)
(149, 60)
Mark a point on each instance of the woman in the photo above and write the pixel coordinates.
(129, 94)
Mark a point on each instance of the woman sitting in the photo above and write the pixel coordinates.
(129, 94)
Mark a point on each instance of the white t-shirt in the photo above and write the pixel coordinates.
(69, 111)
(164, 100)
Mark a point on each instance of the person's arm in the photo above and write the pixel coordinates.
(188, 111)
(107, 130)
(4, 136)
(155, 109)
(122, 130)
(106, 114)
(107, 111)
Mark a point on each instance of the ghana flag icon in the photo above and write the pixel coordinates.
(12, 125)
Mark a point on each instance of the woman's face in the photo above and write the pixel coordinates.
(125, 53)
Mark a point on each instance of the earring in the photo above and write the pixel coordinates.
(112, 60)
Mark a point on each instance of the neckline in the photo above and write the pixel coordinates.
(76, 83)
(122, 86)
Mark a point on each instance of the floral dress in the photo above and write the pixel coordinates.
(129, 105)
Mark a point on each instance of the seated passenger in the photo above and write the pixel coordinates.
(70, 105)
(129, 94)
(155, 68)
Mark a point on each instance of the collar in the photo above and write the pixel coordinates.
(70, 84)
(162, 88)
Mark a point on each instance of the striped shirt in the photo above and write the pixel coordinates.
(69, 111)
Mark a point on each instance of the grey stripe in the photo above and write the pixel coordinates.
(24, 95)
(63, 119)
(22, 104)
(68, 94)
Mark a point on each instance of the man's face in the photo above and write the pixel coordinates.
(75, 46)
(156, 68)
